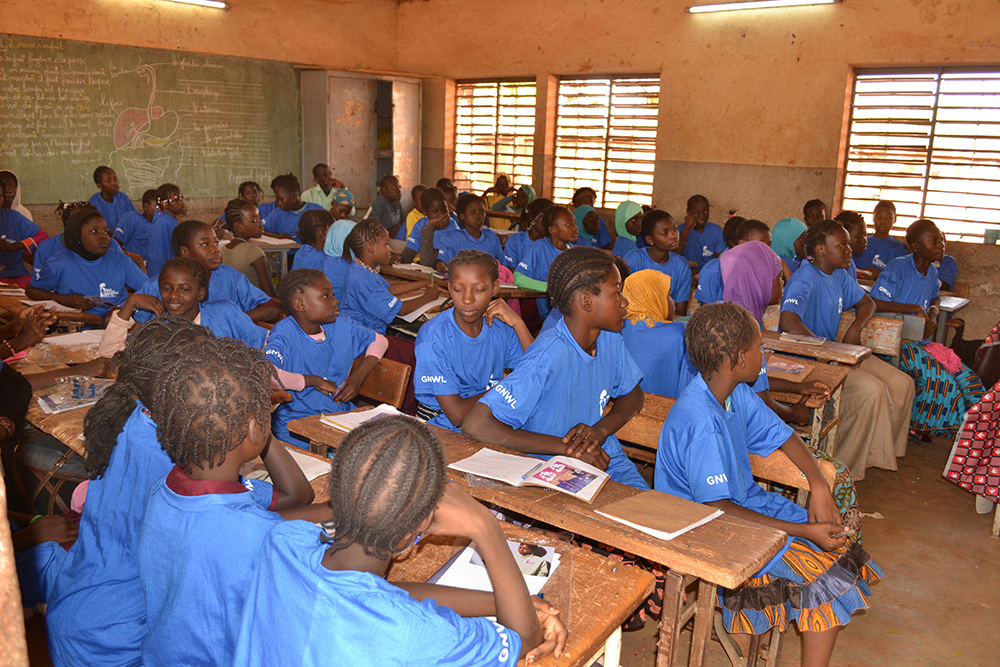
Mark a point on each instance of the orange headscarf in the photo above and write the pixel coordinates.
(648, 294)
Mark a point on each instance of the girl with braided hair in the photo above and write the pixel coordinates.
(820, 579)
(517, 245)
(96, 613)
(52, 245)
(169, 205)
(319, 596)
(203, 524)
(242, 220)
(553, 402)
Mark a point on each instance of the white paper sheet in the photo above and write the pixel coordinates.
(412, 317)
(87, 337)
(50, 305)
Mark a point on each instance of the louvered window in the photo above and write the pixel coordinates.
(929, 140)
(494, 133)
(606, 138)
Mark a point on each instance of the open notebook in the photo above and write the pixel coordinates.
(560, 473)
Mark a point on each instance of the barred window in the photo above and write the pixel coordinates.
(606, 138)
(494, 133)
(929, 140)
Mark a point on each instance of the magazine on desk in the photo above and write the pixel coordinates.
(466, 569)
(560, 473)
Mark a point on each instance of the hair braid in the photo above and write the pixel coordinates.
(717, 332)
(387, 477)
(580, 268)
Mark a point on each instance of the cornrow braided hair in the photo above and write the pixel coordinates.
(387, 477)
(245, 184)
(184, 232)
(549, 216)
(532, 213)
(717, 332)
(731, 230)
(850, 219)
(579, 268)
(234, 212)
(155, 343)
(197, 270)
(818, 234)
(204, 400)
(297, 282)
(367, 231)
(164, 194)
(67, 209)
(313, 221)
(475, 258)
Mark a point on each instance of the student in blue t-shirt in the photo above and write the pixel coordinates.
(197, 240)
(464, 351)
(703, 455)
(628, 226)
(313, 226)
(319, 595)
(474, 235)
(96, 612)
(18, 235)
(423, 240)
(710, 287)
(532, 271)
(110, 201)
(133, 228)
(661, 235)
(369, 299)
(909, 284)
(877, 398)
(700, 240)
(587, 196)
(787, 237)
(169, 203)
(283, 221)
(518, 245)
(88, 274)
(203, 524)
(581, 357)
(315, 346)
(854, 223)
(882, 248)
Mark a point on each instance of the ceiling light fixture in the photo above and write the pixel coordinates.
(213, 4)
(755, 4)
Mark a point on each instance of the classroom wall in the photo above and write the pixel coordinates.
(752, 104)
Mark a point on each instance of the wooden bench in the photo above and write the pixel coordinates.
(821, 431)
(386, 383)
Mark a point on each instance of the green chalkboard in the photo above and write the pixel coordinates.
(201, 121)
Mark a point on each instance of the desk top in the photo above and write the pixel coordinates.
(617, 590)
(726, 551)
(276, 244)
(829, 351)
(12, 306)
(512, 292)
(832, 376)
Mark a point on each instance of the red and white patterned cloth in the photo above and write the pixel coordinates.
(975, 458)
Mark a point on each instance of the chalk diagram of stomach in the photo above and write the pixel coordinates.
(146, 149)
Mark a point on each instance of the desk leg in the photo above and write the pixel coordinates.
(941, 332)
(702, 634)
(284, 261)
(673, 601)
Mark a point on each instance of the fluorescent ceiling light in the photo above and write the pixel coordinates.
(756, 4)
(214, 4)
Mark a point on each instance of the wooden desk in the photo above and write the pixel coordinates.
(72, 320)
(506, 292)
(841, 353)
(280, 246)
(726, 551)
(825, 412)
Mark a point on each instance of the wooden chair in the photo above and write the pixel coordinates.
(642, 433)
(386, 383)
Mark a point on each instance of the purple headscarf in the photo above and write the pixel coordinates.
(748, 272)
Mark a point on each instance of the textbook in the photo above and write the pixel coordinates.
(348, 421)
(659, 514)
(560, 473)
(466, 568)
(802, 340)
(787, 370)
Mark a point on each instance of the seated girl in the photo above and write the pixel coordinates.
(877, 398)
(710, 287)
(588, 226)
(582, 356)
(318, 346)
(628, 225)
(464, 351)
(882, 247)
(203, 523)
(517, 245)
(319, 595)
(183, 293)
(787, 237)
(386, 207)
(474, 235)
(369, 299)
(335, 264)
(342, 207)
(818, 580)
(169, 204)
(532, 271)
(97, 614)
(313, 226)
(197, 240)
(18, 235)
(88, 274)
(586, 196)
(945, 387)
(699, 240)
(283, 221)
(109, 199)
(854, 223)
(661, 235)
(243, 222)
(53, 245)
(424, 236)
(515, 202)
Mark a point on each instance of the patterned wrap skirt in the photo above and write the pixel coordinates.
(941, 399)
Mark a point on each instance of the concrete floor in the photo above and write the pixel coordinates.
(938, 602)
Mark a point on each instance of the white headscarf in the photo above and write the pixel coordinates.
(16, 205)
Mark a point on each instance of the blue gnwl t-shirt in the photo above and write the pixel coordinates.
(676, 267)
(104, 278)
(367, 299)
(819, 299)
